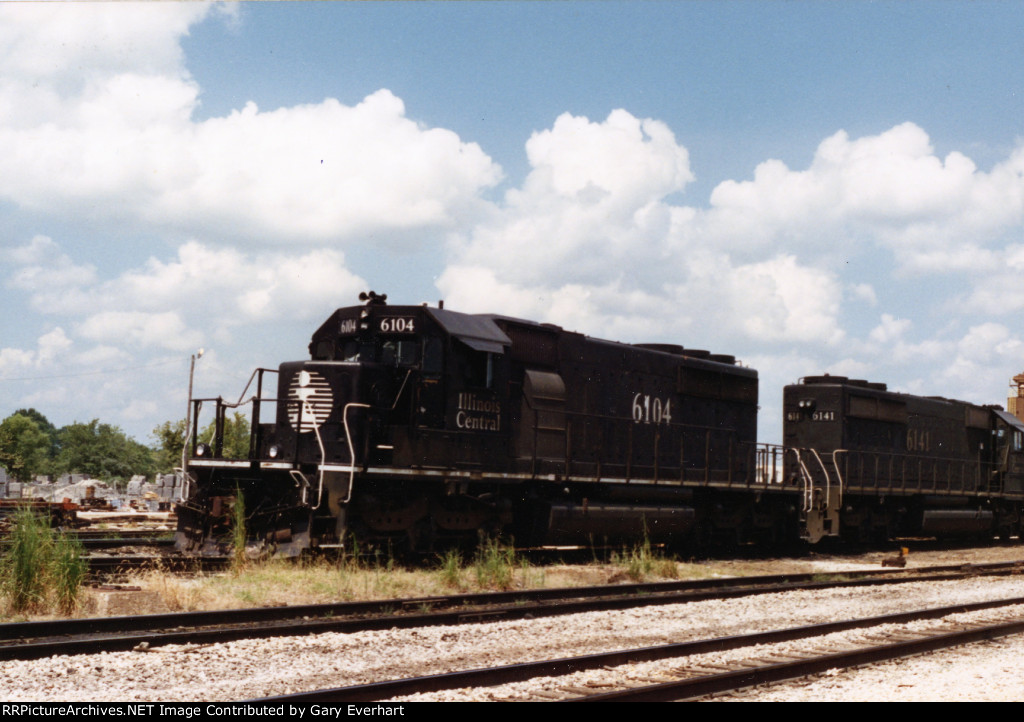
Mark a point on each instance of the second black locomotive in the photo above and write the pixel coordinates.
(883, 463)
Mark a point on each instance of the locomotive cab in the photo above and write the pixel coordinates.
(406, 387)
(1009, 452)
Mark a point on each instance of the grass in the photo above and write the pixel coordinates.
(494, 565)
(275, 582)
(24, 583)
(68, 570)
(362, 576)
(644, 562)
(238, 558)
(353, 577)
(42, 570)
(450, 569)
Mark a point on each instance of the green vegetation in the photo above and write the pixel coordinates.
(41, 569)
(24, 447)
(102, 451)
(495, 565)
(239, 560)
(450, 569)
(236, 436)
(30, 446)
(170, 440)
(644, 561)
(68, 569)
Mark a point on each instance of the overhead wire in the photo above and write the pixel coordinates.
(91, 373)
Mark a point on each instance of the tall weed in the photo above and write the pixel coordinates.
(239, 560)
(67, 572)
(450, 569)
(41, 569)
(644, 561)
(23, 567)
(495, 565)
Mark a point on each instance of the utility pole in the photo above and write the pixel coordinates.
(188, 423)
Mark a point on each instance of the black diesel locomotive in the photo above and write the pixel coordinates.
(419, 428)
(887, 464)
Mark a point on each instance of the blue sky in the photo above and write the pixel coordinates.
(810, 186)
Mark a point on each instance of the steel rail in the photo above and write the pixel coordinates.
(761, 584)
(381, 691)
(125, 562)
(688, 689)
(32, 640)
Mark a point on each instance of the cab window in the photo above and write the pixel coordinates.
(433, 356)
(477, 368)
(398, 352)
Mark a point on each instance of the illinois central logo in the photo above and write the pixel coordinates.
(309, 401)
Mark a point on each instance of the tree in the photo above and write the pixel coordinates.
(24, 447)
(236, 436)
(102, 451)
(170, 440)
(46, 427)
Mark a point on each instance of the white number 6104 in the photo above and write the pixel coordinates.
(651, 410)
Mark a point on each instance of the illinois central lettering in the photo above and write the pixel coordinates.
(476, 414)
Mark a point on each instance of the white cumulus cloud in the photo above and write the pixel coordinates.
(889, 190)
(96, 121)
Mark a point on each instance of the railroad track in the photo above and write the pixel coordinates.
(105, 566)
(686, 673)
(101, 542)
(32, 640)
(104, 540)
(125, 534)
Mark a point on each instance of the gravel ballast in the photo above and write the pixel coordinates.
(256, 668)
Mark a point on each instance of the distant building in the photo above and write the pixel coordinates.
(1015, 403)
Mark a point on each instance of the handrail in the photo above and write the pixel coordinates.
(260, 371)
(839, 473)
(351, 450)
(721, 457)
(320, 443)
(401, 388)
(722, 442)
(912, 472)
(828, 478)
(304, 485)
(805, 475)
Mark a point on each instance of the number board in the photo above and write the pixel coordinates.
(397, 324)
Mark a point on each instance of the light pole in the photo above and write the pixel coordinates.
(188, 424)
